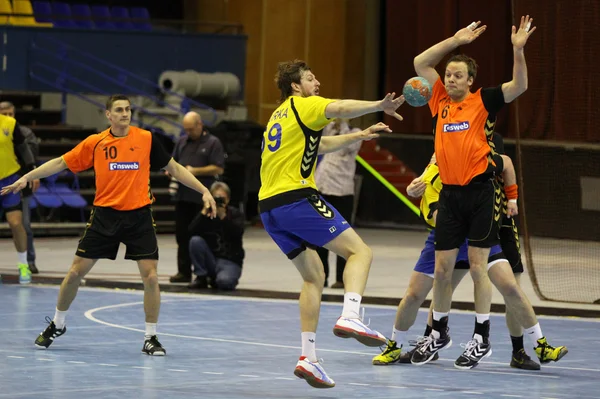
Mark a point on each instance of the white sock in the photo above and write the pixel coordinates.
(351, 308)
(534, 333)
(22, 257)
(482, 318)
(398, 336)
(309, 348)
(150, 330)
(439, 315)
(59, 318)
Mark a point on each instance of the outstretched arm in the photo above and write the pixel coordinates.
(49, 168)
(186, 178)
(426, 61)
(334, 143)
(518, 84)
(349, 109)
(510, 186)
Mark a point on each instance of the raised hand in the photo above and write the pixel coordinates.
(519, 37)
(210, 207)
(389, 105)
(470, 33)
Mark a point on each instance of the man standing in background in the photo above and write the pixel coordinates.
(8, 109)
(203, 155)
(335, 180)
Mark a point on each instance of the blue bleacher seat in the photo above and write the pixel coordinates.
(142, 16)
(62, 15)
(82, 15)
(101, 15)
(42, 10)
(44, 197)
(120, 14)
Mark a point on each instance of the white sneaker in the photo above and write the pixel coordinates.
(355, 328)
(313, 373)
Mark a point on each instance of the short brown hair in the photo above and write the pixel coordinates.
(116, 97)
(471, 64)
(287, 73)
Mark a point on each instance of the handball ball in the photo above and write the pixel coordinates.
(417, 91)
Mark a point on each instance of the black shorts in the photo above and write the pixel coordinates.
(107, 228)
(470, 212)
(511, 246)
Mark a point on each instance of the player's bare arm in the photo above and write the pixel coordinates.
(510, 183)
(335, 143)
(518, 37)
(186, 178)
(426, 61)
(355, 108)
(49, 168)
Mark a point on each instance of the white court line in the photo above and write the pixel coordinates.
(141, 367)
(196, 297)
(511, 396)
(434, 389)
(360, 385)
(90, 315)
(249, 375)
(471, 392)
(179, 371)
(75, 362)
(505, 372)
(212, 372)
(45, 360)
(394, 386)
(285, 378)
(108, 365)
(16, 357)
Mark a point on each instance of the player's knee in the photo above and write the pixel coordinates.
(413, 297)
(14, 223)
(151, 278)
(509, 289)
(478, 272)
(364, 251)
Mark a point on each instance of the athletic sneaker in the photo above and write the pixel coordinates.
(426, 350)
(406, 357)
(313, 373)
(46, 337)
(520, 360)
(153, 348)
(390, 355)
(547, 353)
(474, 352)
(355, 328)
(24, 273)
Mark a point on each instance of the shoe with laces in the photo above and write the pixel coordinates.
(313, 373)
(153, 348)
(428, 348)
(355, 328)
(474, 352)
(24, 273)
(406, 357)
(547, 353)
(390, 355)
(46, 337)
(520, 360)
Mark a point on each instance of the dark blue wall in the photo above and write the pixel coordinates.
(146, 54)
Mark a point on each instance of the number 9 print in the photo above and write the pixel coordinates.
(274, 137)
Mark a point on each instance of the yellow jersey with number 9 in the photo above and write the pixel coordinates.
(431, 196)
(290, 146)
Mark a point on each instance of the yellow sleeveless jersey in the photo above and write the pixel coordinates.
(8, 159)
(431, 196)
(289, 150)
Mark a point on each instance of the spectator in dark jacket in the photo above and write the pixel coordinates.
(216, 248)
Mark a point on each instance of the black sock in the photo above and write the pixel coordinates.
(441, 326)
(517, 343)
(427, 331)
(483, 329)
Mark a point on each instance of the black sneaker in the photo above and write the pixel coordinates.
(405, 357)
(520, 360)
(426, 350)
(46, 337)
(33, 268)
(180, 278)
(474, 352)
(153, 348)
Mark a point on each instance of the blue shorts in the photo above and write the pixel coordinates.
(310, 222)
(426, 262)
(10, 202)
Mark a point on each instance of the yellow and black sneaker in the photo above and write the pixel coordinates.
(521, 360)
(547, 353)
(390, 355)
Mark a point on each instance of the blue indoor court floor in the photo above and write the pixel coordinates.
(223, 347)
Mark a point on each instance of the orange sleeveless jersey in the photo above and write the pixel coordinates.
(121, 165)
(463, 133)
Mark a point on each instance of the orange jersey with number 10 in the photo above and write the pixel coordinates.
(121, 165)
